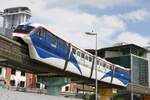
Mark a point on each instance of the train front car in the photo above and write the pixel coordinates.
(47, 47)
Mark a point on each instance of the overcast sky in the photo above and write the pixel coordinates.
(113, 20)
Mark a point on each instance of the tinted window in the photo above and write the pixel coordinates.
(53, 41)
(48, 35)
(86, 57)
(82, 55)
(97, 62)
(90, 59)
(40, 32)
(23, 29)
(74, 50)
(78, 53)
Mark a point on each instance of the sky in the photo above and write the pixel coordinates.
(113, 20)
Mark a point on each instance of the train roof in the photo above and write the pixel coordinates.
(36, 25)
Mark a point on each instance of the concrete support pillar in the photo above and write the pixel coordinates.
(107, 93)
(54, 84)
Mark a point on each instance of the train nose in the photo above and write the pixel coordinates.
(18, 34)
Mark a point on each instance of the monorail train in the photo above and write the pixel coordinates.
(48, 48)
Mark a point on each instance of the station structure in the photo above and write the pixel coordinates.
(15, 55)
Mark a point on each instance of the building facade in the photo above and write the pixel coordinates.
(15, 78)
(130, 56)
(12, 17)
(148, 57)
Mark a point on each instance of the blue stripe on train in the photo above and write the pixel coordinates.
(47, 53)
(117, 75)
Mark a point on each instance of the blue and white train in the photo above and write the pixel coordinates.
(48, 48)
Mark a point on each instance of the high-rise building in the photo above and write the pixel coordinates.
(17, 78)
(13, 17)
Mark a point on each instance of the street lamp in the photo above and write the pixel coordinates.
(91, 33)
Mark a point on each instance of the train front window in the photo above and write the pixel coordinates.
(23, 29)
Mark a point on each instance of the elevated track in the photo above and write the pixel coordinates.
(15, 55)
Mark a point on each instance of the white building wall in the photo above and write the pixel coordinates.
(17, 77)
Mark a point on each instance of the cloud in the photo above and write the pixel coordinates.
(136, 16)
(64, 3)
(72, 25)
(131, 37)
(107, 3)
(76, 3)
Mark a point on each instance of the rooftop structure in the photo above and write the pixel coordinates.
(13, 17)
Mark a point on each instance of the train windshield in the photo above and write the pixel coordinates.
(23, 29)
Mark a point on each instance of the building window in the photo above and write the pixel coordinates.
(37, 85)
(45, 87)
(22, 83)
(12, 82)
(22, 73)
(13, 71)
(67, 88)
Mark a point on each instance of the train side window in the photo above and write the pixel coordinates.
(97, 62)
(78, 53)
(86, 57)
(82, 55)
(90, 59)
(74, 50)
(41, 33)
(107, 66)
(104, 64)
(53, 41)
(64, 45)
(101, 63)
(48, 35)
(37, 31)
